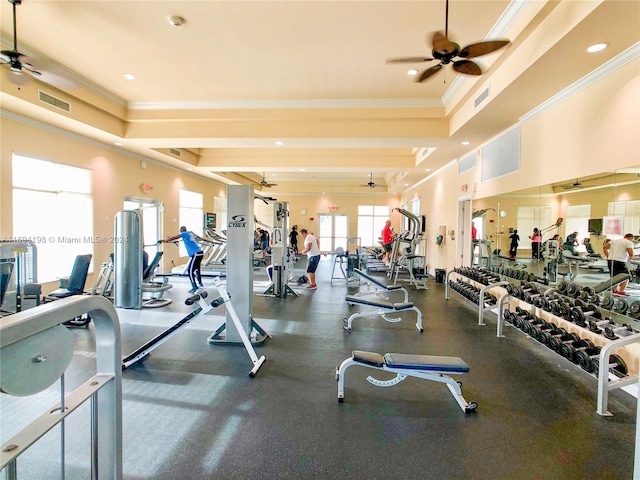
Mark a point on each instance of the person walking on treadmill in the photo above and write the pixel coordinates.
(312, 250)
(190, 241)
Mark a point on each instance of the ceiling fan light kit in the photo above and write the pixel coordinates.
(447, 51)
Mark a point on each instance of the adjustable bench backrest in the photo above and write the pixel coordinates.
(369, 278)
(612, 282)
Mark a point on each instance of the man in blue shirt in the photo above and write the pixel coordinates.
(190, 241)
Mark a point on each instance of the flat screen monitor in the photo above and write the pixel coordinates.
(595, 226)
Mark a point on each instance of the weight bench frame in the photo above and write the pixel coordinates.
(426, 367)
(383, 307)
(380, 287)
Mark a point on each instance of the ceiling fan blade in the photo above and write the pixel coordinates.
(408, 60)
(442, 45)
(53, 79)
(467, 67)
(429, 72)
(482, 48)
(17, 77)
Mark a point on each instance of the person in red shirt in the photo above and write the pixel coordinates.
(387, 241)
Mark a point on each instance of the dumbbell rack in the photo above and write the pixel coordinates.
(606, 381)
(481, 294)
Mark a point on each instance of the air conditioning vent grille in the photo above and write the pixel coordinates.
(53, 101)
(481, 98)
(174, 152)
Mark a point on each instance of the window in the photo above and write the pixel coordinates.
(577, 220)
(530, 218)
(334, 230)
(53, 206)
(630, 211)
(191, 214)
(151, 221)
(371, 220)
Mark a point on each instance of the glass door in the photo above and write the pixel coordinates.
(151, 221)
(334, 232)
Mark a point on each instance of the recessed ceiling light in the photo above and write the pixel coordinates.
(190, 169)
(427, 169)
(119, 144)
(279, 142)
(129, 76)
(465, 143)
(406, 184)
(597, 47)
(413, 71)
(302, 169)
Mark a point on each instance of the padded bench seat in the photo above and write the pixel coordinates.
(427, 367)
(382, 307)
(377, 302)
(380, 286)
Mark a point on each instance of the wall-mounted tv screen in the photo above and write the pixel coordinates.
(595, 226)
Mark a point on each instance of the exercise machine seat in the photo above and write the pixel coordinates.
(74, 284)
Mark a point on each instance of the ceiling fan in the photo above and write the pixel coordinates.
(371, 183)
(570, 186)
(446, 51)
(23, 68)
(266, 184)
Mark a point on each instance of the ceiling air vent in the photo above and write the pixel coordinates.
(53, 101)
(175, 152)
(481, 98)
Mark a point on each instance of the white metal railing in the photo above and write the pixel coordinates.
(34, 354)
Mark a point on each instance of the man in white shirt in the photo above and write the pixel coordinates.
(618, 252)
(312, 250)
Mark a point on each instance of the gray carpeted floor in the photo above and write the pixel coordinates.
(191, 411)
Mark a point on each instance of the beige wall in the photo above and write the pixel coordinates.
(594, 131)
(115, 176)
(345, 205)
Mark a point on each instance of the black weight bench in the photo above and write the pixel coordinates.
(379, 286)
(382, 307)
(612, 282)
(426, 367)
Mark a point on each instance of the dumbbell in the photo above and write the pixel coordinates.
(564, 310)
(544, 336)
(526, 288)
(521, 317)
(616, 365)
(536, 329)
(620, 305)
(539, 301)
(595, 326)
(585, 358)
(568, 350)
(586, 293)
(547, 303)
(529, 325)
(612, 332)
(579, 314)
(607, 302)
(573, 290)
(562, 287)
(556, 341)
